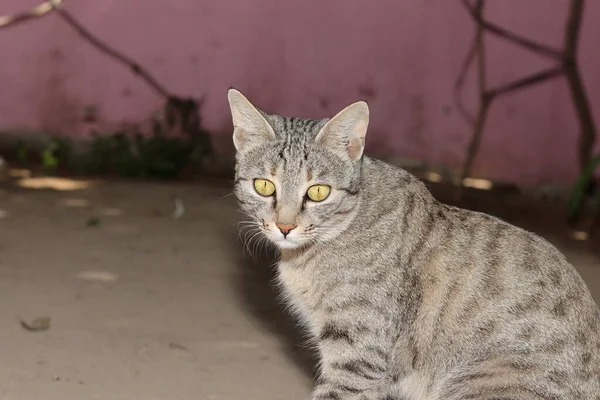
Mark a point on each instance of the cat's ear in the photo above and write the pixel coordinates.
(250, 128)
(345, 132)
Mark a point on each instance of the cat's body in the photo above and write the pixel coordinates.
(405, 297)
(461, 302)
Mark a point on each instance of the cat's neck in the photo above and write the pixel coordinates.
(291, 255)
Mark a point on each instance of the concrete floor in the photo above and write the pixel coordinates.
(145, 306)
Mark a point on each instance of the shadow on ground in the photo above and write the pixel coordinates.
(260, 297)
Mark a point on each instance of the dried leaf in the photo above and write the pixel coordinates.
(39, 324)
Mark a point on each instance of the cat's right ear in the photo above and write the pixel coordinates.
(250, 128)
(345, 132)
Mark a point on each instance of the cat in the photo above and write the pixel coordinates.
(407, 298)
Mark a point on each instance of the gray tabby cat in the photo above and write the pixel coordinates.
(405, 297)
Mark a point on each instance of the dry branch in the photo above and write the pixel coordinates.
(49, 6)
(460, 81)
(587, 135)
(526, 81)
(567, 66)
(103, 47)
(484, 101)
(44, 8)
(510, 36)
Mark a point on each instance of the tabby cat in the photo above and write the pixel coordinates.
(407, 298)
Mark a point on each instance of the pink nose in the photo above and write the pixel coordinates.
(285, 228)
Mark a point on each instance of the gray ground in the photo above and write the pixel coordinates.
(145, 306)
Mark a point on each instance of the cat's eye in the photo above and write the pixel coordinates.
(318, 192)
(264, 187)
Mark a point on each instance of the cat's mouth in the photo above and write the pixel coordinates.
(292, 240)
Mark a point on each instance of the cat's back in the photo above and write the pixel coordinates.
(498, 293)
(488, 291)
(465, 246)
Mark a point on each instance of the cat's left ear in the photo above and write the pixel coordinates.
(345, 132)
(250, 128)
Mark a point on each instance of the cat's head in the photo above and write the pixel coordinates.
(298, 179)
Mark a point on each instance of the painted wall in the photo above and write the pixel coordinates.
(308, 58)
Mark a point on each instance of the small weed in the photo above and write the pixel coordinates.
(49, 160)
(137, 156)
(177, 142)
(581, 189)
(58, 153)
(22, 153)
(92, 222)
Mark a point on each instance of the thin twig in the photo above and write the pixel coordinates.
(135, 67)
(573, 28)
(526, 81)
(56, 5)
(41, 10)
(484, 101)
(460, 82)
(587, 134)
(510, 36)
(486, 98)
(568, 67)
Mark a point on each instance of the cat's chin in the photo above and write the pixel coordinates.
(286, 244)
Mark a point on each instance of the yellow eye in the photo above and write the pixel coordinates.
(318, 192)
(264, 187)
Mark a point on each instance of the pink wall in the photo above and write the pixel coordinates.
(307, 58)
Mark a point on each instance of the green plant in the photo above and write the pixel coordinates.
(580, 189)
(96, 160)
(125, 157)
(164, 157)
(63, 150)
(22, 153)
(176, 142)
(135, 155)
(49, 160)
(57, 153)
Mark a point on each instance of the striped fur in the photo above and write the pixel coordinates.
(407, 298)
